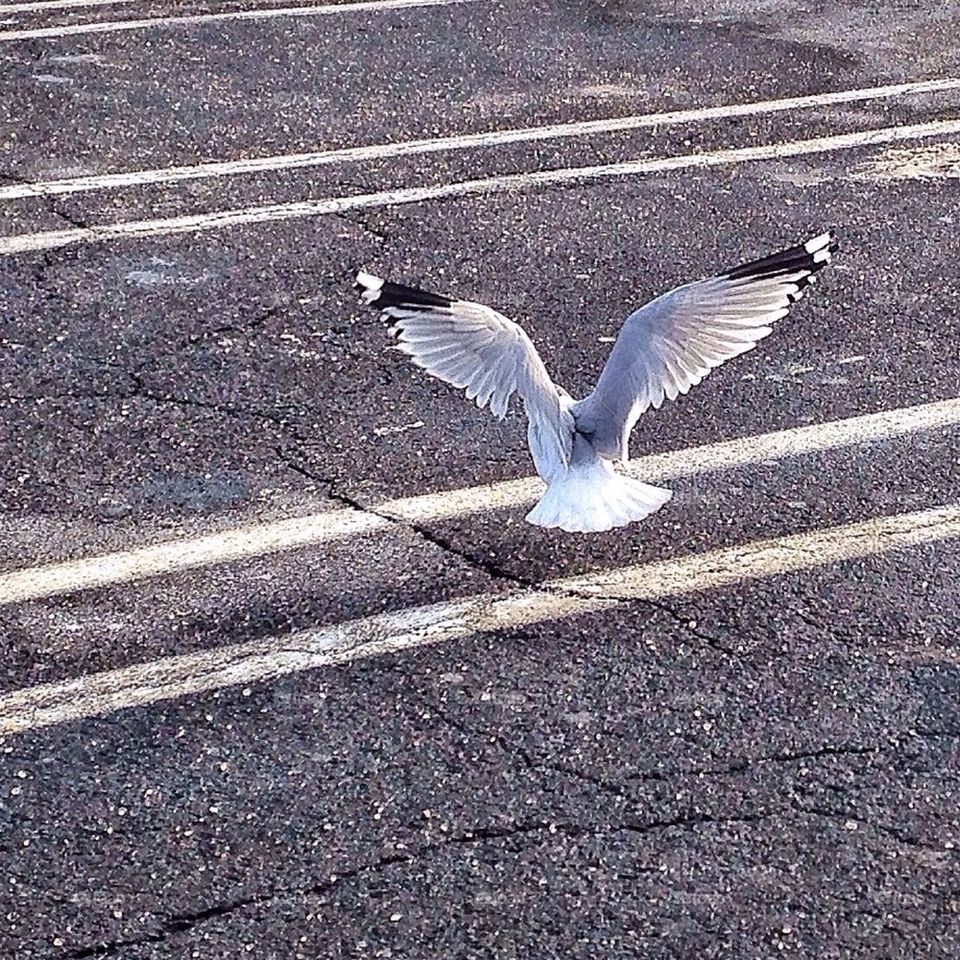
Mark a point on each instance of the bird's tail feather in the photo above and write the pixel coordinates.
(591, 497)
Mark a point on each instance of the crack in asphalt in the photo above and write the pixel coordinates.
(53, 207)
(497, 572)
(233, 411)
(817, 753)
(43, 282)
(932, 733)
(525, 757)
(58, 211)
(885, 829)
(185, 922)
(607, 786)
(49, 202)
(252, 326)
(140, 391)
(67, 395)
(361, 222)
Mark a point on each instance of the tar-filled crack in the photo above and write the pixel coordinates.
(527, 760)
(497, 572)
(484, 833)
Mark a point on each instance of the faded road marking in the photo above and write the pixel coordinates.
(33, 5)
(939, 161)
(260, 661)
(268, 13)
(297, 210)
(470, 141)
(266, 538)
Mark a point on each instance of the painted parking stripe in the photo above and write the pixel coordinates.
(36, 5)
(281, 212)
(268, 13)
(258, 540)
(260, 661)
(33, 5)
(473, 141)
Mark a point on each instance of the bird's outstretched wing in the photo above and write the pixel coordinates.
(476, 349)
(673, 342)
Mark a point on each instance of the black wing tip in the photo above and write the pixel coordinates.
(382, 294)
(813, 255)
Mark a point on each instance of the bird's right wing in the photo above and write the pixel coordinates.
(670, 344)
(476, 349)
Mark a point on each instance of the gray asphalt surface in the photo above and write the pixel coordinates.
(770, 769)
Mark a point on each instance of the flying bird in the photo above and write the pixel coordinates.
(663, 349)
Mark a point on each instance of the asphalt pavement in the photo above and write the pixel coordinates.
(283, 672)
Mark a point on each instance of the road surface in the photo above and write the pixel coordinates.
(283, 672)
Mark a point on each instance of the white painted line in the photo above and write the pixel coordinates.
(259, 661)
(166, 558)
(57, 5)
(260, 539)
(493, 138)
(114, 26)
(33, 5)
(693, 461)
(274, 213)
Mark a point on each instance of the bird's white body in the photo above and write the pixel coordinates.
(663, 349)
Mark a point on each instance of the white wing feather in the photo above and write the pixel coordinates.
(480, 351)
(670, 344)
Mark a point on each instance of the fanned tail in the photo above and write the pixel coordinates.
(591, 497)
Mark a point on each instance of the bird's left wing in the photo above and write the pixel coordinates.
(476, 349)
(670, 344)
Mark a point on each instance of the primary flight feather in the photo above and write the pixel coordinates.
(663, 349)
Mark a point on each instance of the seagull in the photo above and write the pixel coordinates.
(663, 349)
